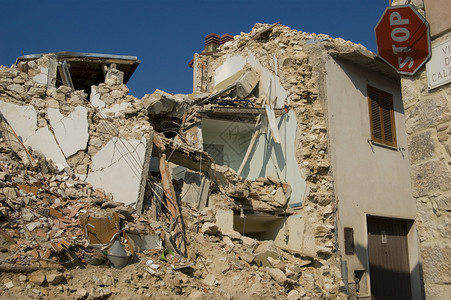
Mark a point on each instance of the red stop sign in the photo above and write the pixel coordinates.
(402, 37)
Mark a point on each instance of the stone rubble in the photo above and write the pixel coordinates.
(43, 204)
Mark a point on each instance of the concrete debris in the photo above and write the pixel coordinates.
(161, 103)
(209, 228)
(75, 167)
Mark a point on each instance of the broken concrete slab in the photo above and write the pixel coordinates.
(26, 125)
(162, 103)
(44, 142)
(195, 190)
(71, 132)
(263, 251)
(145, 242)
(247, 83)
(224, 219)
(117, 168)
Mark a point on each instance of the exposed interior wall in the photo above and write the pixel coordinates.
(282, 54)
(369, 179)
(233, 137)
(279, 160)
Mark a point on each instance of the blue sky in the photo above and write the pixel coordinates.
(164, 35)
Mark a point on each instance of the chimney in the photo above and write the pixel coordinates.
(212, 42)
(225, 38)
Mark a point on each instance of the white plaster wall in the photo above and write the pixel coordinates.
(117, 169)
(22, 118)
(44, 142)
(369, 179)
(71, 132)
(269, 85)
(234, 136)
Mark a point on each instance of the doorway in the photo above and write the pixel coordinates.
(388, 259)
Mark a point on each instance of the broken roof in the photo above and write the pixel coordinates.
(86, 69)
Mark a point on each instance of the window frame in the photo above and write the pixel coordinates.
(384, 100)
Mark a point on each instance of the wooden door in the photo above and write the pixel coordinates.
(388, 259)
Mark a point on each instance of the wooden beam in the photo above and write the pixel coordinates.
(272, 124)
(242, 110)
(251, 145)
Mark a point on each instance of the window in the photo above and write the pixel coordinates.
(382, 118)
(349, 240)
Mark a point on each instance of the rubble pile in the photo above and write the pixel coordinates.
(57, 227)
(48, 249)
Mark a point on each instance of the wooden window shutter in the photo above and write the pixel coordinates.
(382, 118)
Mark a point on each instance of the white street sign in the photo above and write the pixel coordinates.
(439, 66)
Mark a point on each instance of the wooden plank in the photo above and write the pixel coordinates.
(272, 124)
(241, 110)
(145, 176)
(251, 145)
(166, 181)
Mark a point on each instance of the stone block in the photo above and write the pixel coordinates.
(37, 278)
(209, 228)
(277, 275)
(247, 241)
(437, 291)
(436, 261)
(444, 203)
(421, 146)
(224, 219)
(54, 278)
(429, 177)
(263, 251)
(427, 113)
(280, 197)
(160, 103)
(26, 125)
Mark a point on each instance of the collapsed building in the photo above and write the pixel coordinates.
(288, 137)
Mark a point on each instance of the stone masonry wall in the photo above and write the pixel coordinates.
(284, 52)
(428, 122)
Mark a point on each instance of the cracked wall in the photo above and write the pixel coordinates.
(102, 141)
